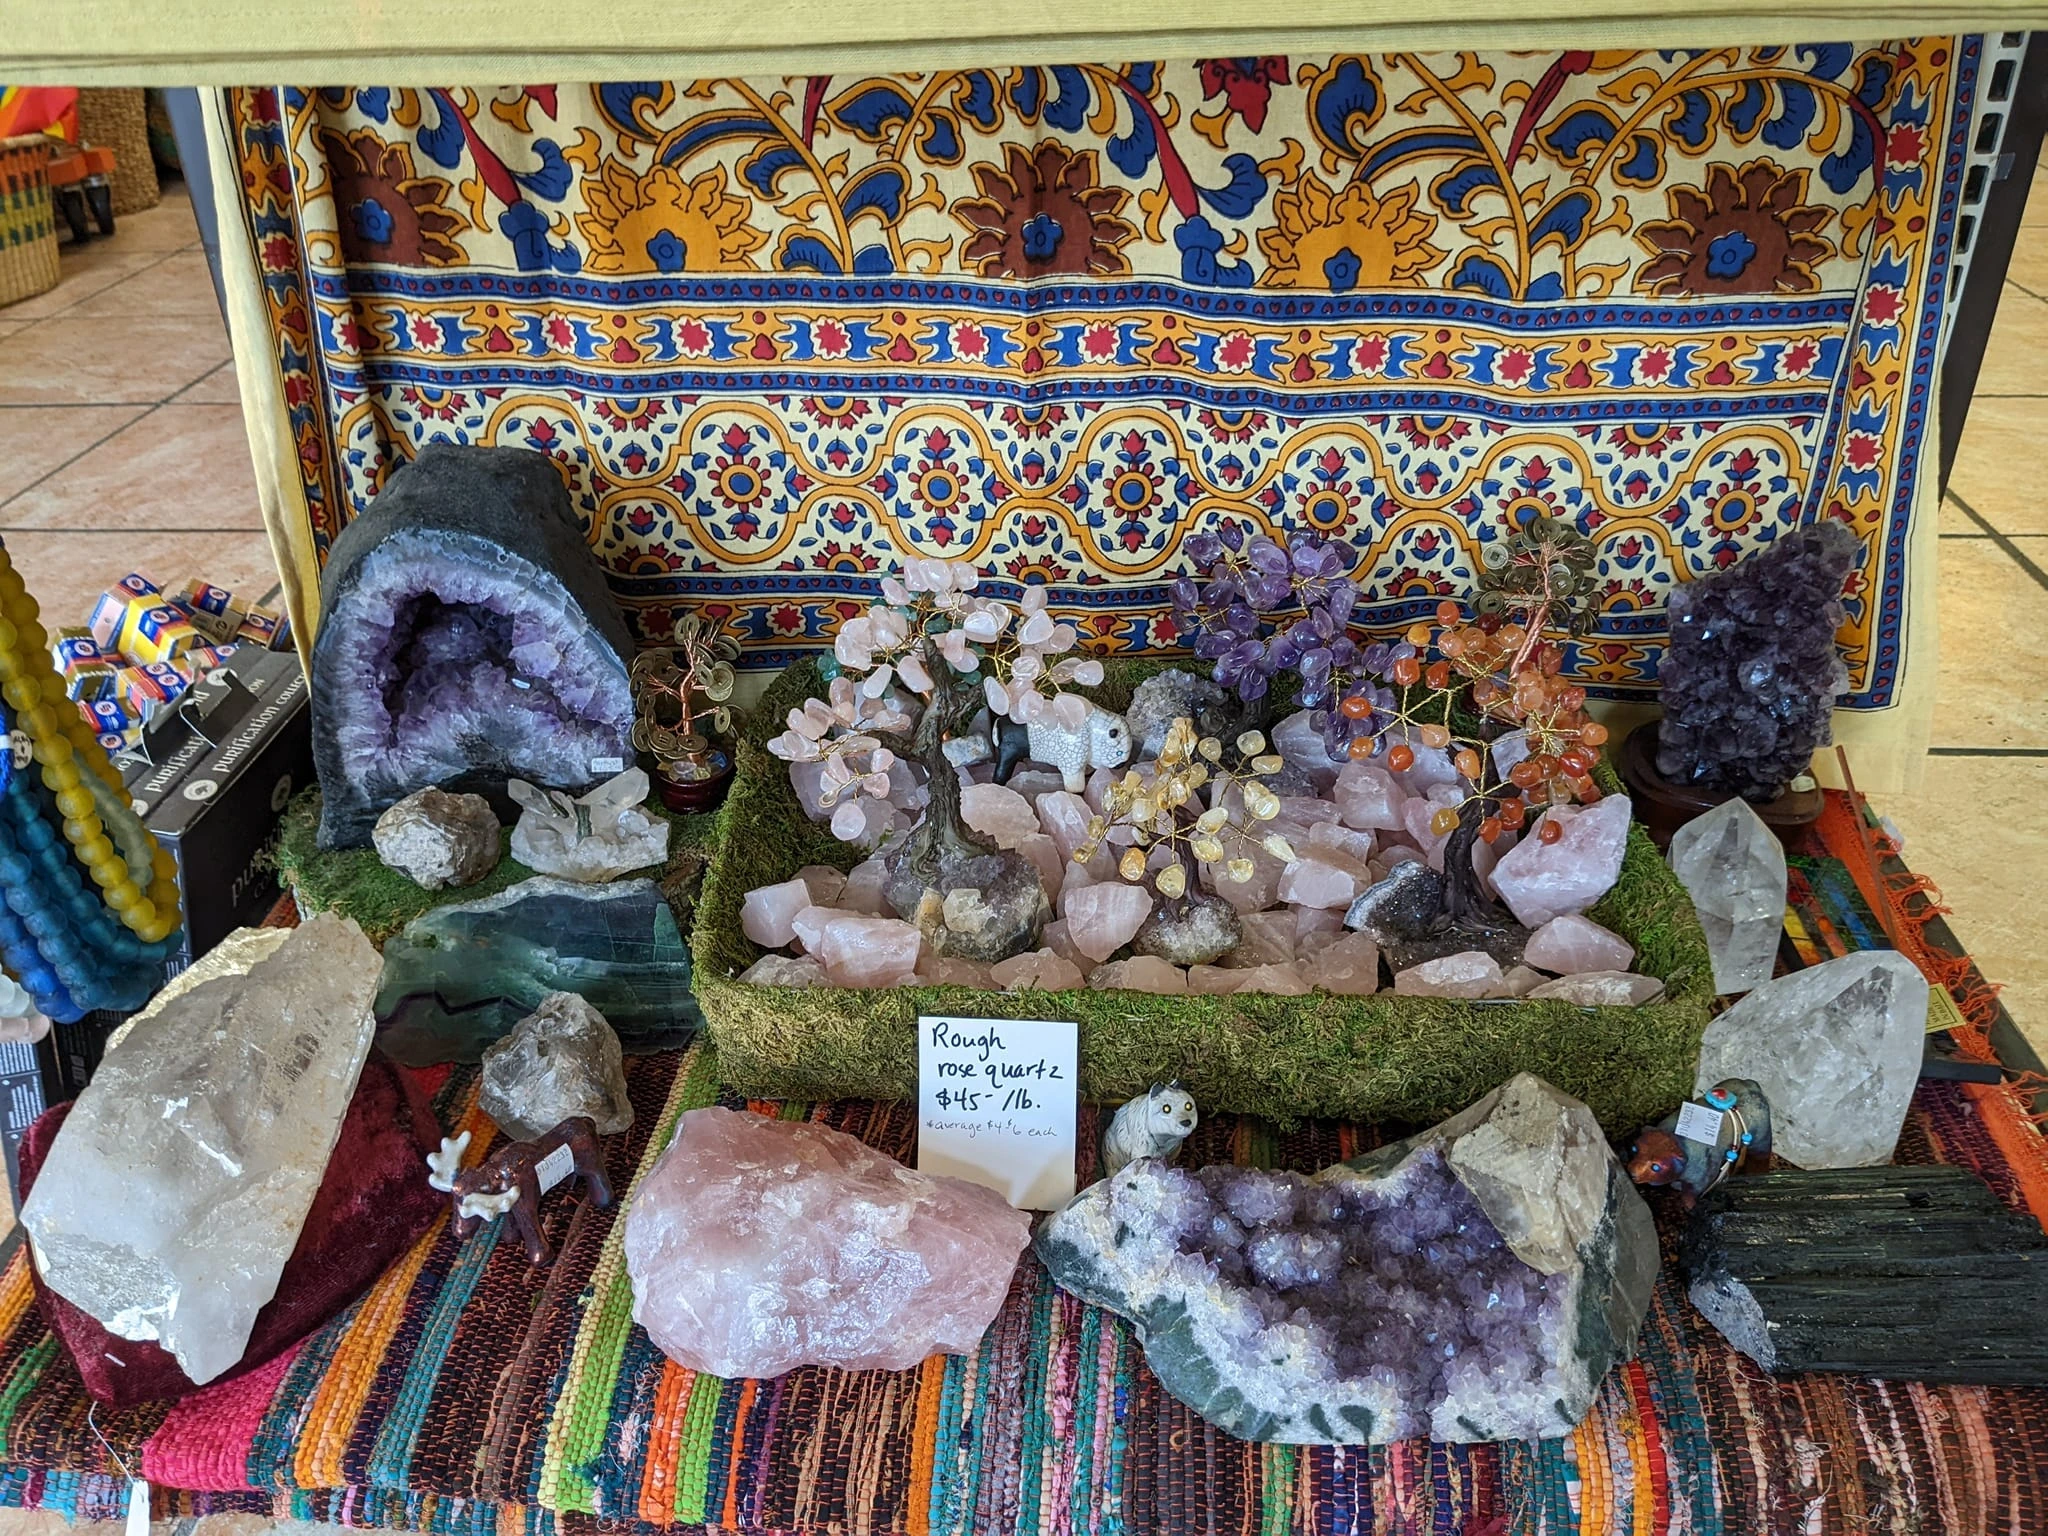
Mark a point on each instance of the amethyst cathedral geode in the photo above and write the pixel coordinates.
(1750, 678)
(1472, 1283)
(467, 636)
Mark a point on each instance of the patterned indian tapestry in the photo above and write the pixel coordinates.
(779, 333)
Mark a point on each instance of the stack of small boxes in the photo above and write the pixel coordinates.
(143, 648)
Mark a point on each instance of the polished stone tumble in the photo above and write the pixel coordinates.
(757, 1245)
(1474, 1283)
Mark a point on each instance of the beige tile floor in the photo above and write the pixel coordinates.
(121, 442)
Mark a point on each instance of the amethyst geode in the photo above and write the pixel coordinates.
(1472, 1283)
(1750, 678)
(467, 636)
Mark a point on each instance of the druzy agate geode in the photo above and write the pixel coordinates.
(1750, 678)
(1472, 1283)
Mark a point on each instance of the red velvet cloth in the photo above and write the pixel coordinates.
(372, 1206)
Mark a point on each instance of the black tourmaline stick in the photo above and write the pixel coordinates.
(1918, 1274)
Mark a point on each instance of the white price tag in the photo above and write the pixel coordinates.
(138, 1507)
(554, 1168)
(607, 765)
(996, 1105)
(1698, 1123)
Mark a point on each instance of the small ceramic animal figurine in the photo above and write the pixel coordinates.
(1153, 1126)
(1663, 1155)
(510, 1179)
(1102, 740)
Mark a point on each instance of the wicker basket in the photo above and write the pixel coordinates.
(28, 226)
(118, 119)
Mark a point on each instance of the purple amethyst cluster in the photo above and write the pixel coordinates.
(1750, 679)
(1473, 1283)
(1405, 1280)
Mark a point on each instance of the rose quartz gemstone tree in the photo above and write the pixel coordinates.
(758, 1245)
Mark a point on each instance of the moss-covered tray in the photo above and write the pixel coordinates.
(1381, 1058)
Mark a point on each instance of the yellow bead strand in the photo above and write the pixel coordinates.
(64, 749)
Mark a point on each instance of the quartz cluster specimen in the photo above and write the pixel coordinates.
(560, 1061)
(1472, 1283)
(597, 836)
(461, 976)
(1733, 867)
(1751, 675)
(466, 636)
(434, 838)
(757, 1245)
(1917, 1274)
(1836, 1049)
(175, 1191)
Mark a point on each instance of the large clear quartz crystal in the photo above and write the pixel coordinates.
(593, 837)
(175, 1191)
(1472, 1283)
(757, 1245)
(1733, 867)
(1836, 1049)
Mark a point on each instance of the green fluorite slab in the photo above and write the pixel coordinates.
(458, 978)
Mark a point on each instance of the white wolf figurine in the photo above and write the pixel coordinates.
(1153, 1126)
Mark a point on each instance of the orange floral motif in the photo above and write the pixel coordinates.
(659, 222)
(1350, 239)
(1744, 232)
(387, 212)
(1044, 211)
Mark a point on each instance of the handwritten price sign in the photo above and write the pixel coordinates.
(996, 1102)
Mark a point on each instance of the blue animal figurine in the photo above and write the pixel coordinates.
(1666, 1157)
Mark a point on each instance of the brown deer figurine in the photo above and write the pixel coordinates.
(510, 1179)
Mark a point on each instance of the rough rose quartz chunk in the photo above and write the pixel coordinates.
(1036, 970)
(869, 951)
(1101, 919)
(1569, 945)
(1140, 973)
(1349, 966)
(1540, 880)
(1470, 973)
(767, 914)
(1280, 980)
(1368, 798)
(1611, 989)
(758, 1245)
(1312, 883)
(998, 812)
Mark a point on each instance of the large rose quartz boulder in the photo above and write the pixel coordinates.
(868, 951)
(758, 1245)
(768, 914)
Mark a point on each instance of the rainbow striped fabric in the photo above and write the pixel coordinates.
(468, 1392)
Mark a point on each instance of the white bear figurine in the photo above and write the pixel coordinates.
(1100, 741)
(1153, 1126)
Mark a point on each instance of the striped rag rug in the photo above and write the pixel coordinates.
(468, 1392)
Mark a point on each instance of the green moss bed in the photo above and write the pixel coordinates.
(356, 883)
(1383, 1058)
